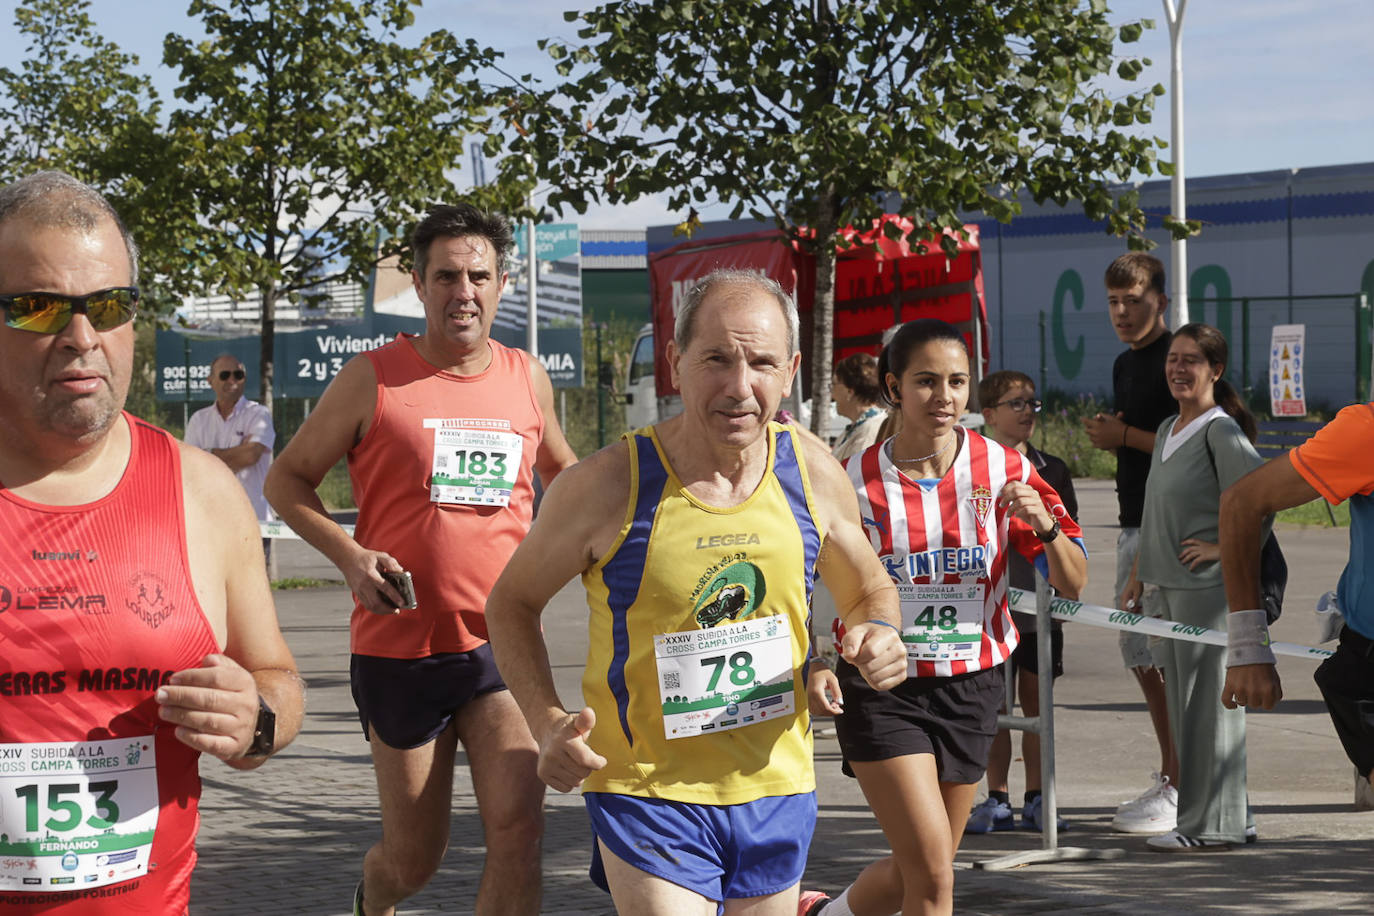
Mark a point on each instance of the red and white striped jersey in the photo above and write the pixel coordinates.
(954, 532)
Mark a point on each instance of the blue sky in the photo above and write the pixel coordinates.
(1269, 84)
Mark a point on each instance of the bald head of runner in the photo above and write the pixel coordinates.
(734, 356)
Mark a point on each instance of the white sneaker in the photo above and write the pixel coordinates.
(1155, 811)
(1173, 841)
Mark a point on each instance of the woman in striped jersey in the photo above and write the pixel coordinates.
(942, 506)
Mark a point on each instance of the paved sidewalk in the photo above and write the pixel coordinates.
(289, 837)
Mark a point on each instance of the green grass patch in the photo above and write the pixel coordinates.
(336, 492)
(1314, 514)
(1059, 431)
(298, 582)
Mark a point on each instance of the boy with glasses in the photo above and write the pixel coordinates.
(1009, 412)
(237, 431)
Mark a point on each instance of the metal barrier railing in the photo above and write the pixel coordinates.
(1043, 725)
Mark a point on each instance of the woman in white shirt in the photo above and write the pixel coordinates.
(856, 396)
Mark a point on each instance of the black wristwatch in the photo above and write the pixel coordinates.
(265, 734)
(1049, 535)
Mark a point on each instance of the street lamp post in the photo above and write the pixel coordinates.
(1178, 305)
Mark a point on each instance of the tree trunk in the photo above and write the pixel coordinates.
(269, 332)
(823, 316)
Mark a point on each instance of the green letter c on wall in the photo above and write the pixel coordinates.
(1069, 360)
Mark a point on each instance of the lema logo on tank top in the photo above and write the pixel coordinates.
(52, 601)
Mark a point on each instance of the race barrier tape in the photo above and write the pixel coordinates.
(280, 530)
(1113, 619)
(1060, 608)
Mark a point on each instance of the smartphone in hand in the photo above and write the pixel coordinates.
(403, 583)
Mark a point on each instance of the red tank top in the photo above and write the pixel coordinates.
(96, 611)
(444, 481)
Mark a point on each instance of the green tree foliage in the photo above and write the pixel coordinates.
(311, 137)
(75, 102)
(816, 114)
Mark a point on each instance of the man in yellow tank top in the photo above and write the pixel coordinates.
(698, 541)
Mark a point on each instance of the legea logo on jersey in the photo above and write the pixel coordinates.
(742, 539)
(964, 562)
(729, 594)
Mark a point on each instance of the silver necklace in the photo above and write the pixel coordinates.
(935, 454)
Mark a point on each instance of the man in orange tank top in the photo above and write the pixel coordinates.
(137, 620)
(443, 433)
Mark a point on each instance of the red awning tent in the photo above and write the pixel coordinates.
(879, 283)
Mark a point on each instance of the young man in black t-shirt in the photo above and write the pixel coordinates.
(1136, 302)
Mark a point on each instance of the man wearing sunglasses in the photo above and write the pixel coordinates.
(443, 432)
(136, 619)
(237, 431)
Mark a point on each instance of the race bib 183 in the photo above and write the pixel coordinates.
(476, 461)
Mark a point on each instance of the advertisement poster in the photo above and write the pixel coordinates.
(1286, 395)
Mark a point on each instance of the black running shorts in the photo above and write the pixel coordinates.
(1346, 680)
(409, 701)
(954, 718)
(1027, 653)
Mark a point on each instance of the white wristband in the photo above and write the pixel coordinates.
(1247, 639)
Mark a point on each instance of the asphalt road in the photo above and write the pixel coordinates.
(289, 837)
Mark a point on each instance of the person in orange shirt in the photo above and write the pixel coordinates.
(1334, 464)
(444, 432)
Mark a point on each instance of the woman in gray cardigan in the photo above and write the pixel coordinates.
(1198, 454)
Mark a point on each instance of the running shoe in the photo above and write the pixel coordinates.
(810, 903)
(1032, 818)
(1155, 811)
(989, 816)
(1173, 841)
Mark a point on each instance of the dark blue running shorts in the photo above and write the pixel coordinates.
(721, 852)
(409, 701)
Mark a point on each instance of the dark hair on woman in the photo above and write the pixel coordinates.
(859, 373)
(897, 354)
(1212, 343)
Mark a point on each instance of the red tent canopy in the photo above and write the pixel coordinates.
(879, 282)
